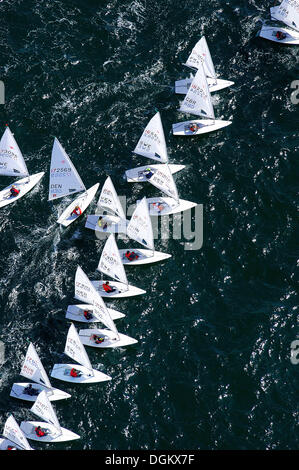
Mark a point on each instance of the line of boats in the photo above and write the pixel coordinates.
(111, 219)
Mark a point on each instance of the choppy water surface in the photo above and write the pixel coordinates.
(212, 366)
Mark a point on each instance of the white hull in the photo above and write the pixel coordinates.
(110, 339)
(62, 372)
(122, 290)
(28, 429)
(269, 32)
(83, 201)
(75, 313)
(114, 224)
(145, 256)
(135, 175)
(182, 86)
(18, 389)
(170, 205)
(24, 185)
(205, 126)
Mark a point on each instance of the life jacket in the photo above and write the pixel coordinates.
(39, 432)
(73, 373)
(98, 340)
(128, 256)
(87, 314)
(77, 211)
(107, 288)
(14, 191)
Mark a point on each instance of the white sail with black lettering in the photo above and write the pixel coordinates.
(201, 55)
(198, 99)
(42, 407)
(13, 432)
(75, 349)
(140, 226)
(109, 199)
(110, 262)
(163, 180)
(152, 142)
(64, 178)
(287, 12)
(11, 159)
(33, 369)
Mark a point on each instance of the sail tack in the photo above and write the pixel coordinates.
(64, 178)
(198, 99)
(11, 159)
(152, 142)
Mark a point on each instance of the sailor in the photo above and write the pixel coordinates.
(75, 373)
(193, 127)
(107, 288)
(102, 223)
(39, 432)
(131, 255)
(87, 314)
(98, 339)
(159, 206)
(29, 390)
(14, 191)
(148, 173)
(77, 211)
(280, 35)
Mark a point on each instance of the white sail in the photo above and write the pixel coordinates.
(163, 180)
(152, 142)
(85, 291)
(33, 369)
(287, 12)
(42, 407)
(109, 199)
(75, 349)
(198, 99)
(64, 178)
(13, 432)
(201, 55)
(140, 226)
(110, 262)
(11, 159)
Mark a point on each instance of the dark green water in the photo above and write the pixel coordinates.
(212, 366)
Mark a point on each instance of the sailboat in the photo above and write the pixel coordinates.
(99, 337)
(140, 229)
(111, 217)
(12, 164)
(198, 101)
(151, 145)
(75, 350)
(33, 369)
(111, 264)
(288, 13)
(51, 428)
(84, 312)
(201, 54)
(13, 438)
(65, 180)
(162, 205)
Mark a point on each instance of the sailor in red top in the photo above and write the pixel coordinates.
(74, 373)
(39, 432)
(14, 191)
(77, 211)
(131, 255)
(107, 288)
